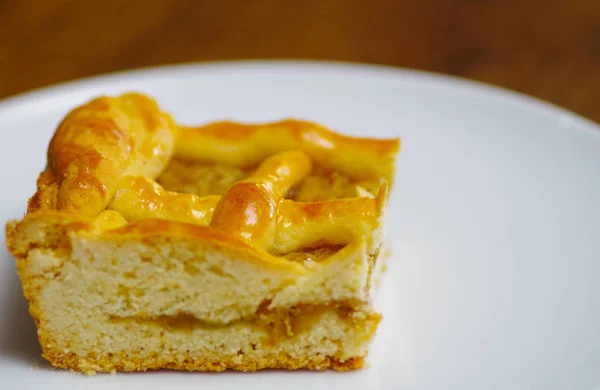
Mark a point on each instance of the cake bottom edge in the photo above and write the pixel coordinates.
(126, 362)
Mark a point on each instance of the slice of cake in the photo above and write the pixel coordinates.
(228, 246)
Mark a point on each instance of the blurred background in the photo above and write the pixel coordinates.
(546, 48)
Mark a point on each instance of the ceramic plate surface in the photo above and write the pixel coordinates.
(494, 223)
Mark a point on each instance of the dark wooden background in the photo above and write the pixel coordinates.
(545, 48)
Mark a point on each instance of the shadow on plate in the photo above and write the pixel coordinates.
(18, 336)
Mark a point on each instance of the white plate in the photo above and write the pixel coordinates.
(495, 223)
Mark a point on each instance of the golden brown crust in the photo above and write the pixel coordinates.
(140, 198)
(242, 145)
(250, 207)
(147, 228)
(130, 363)
(63, 223)
(95, 145)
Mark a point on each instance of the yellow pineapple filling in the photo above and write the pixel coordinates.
(205, 179)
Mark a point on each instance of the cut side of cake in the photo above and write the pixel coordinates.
(150, 245)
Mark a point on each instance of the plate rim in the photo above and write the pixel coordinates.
(41, 98)
(32, 101)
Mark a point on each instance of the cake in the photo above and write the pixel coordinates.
(152, 245)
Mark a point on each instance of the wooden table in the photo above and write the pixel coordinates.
(545, 48)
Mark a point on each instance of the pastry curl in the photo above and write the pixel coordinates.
(97, 144)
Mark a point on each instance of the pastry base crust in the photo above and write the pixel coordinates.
(91, 365)
(89, 335)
